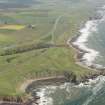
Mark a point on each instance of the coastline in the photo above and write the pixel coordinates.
(86, 56)
(28, 100)
(80, 52)
(27, 83)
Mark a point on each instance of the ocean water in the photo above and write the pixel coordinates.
(89, 93)
(96, 40)
(92, 40)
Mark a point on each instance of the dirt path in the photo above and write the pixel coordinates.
(26, 83)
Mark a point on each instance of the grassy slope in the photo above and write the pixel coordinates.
(16, 68)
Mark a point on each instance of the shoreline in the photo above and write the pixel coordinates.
(27, 83)
(81, 52)
(28, 100)
(85, 56)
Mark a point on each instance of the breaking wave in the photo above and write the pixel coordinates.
(90, 27)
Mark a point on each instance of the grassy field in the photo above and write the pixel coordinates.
(33, 44)
(11, 27)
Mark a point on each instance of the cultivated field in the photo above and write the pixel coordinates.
(11, 27)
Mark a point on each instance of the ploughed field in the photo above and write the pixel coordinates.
(33, 44)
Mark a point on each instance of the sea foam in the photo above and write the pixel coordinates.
(45, 93)
(90, 27)
(44, 98)
(81, 42)
(99, 82)
(94, 85)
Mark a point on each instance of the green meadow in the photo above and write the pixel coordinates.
(40, 48)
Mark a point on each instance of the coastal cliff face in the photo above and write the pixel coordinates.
(68, 77)
(40, 89)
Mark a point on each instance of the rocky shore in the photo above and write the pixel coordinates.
(80, 52)
(67, 77)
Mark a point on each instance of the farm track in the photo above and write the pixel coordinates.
(27, 48)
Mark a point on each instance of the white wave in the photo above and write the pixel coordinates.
(90, 55)
(91, 82)
(44, 93)
(93, 85)
(44, 100)
(90, 27)
(99, 81)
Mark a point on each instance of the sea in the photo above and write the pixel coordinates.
(91, 40)
(89, 93)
